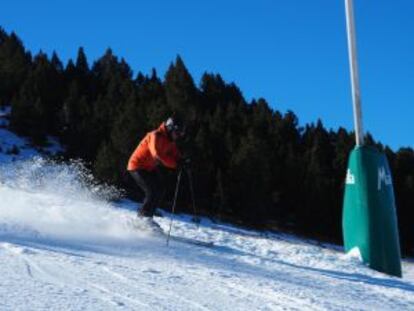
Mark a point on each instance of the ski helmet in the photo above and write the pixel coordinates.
(174, 124)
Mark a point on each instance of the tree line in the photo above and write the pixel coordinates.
(252, 164)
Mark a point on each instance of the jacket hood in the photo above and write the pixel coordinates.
(163, 129)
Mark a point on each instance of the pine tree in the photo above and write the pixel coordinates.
(317, 214)
(181, 93)
(74, 118)
(213, 92)
(23, 115)
(152, 97)
(81, 66)
(129, 128)
(114, 86)
(14, 66)
(56, 63)
(250, 167)
(403, 178)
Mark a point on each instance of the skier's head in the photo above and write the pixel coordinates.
(175, 127)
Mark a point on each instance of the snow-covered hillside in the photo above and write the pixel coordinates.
(13, 147)
(63, 246)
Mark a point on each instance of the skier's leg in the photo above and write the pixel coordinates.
(159, 188)
(147, 182)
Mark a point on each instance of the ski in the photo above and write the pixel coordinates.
(152, 227)
(191, 241)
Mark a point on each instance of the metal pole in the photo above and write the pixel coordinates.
(352, 49)
(173, 207)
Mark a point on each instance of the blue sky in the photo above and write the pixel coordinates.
(292, 53)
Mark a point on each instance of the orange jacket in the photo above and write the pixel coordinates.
(155, 147)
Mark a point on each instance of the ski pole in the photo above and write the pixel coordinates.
(190, 178)
(173, 206)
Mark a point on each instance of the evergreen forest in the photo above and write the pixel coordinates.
(252, 165)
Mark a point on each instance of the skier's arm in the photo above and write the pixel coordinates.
(158, 151)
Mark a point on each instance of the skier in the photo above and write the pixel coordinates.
(156, 152)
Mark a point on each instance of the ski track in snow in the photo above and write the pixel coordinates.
(241, 273)
(62, 247)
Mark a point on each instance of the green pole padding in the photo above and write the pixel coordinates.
(369, 217)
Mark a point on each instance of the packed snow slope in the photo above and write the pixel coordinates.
(65, 246)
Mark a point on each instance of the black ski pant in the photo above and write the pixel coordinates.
(152, 183)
